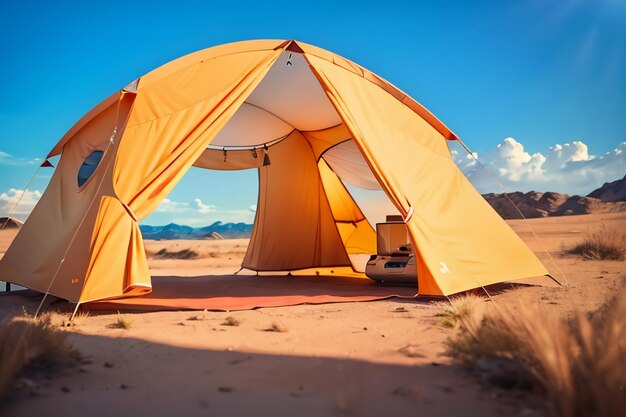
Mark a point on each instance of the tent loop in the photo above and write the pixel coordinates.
(225, 153)
(112, 138)
(266, 156)
(130, 211)
(506, 196)
(254, 153)
(408, 216)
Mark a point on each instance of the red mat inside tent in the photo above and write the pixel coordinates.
(245, 292)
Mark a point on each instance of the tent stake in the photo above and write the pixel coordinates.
(488, 295)
(451, 305)
(74, 313)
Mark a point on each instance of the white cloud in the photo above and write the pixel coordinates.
(204, 208)
(224, 216)
(198, 213)
(27, 202)
(169, 206)
(567, 168)
(8, 159)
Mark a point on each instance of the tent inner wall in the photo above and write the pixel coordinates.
(294, 226)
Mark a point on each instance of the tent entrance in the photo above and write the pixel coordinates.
(289, 131)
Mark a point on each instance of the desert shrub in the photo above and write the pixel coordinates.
(181, 254)
(460, 309)
(231, 321)
(276, 327)
(578, 364)
(602, 245)
(120, 322)
(31, 343)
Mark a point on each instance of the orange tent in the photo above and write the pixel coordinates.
(308, 121)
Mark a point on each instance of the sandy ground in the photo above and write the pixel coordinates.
(352, 359)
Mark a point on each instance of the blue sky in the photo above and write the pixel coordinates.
(512, 78)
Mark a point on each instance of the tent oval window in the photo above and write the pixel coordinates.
(89, 167)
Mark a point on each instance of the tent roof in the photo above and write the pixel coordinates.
(298, 116)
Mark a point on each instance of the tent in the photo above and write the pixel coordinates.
(309, 121)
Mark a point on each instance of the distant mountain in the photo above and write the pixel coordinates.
(611, 191)
(175, 231)
(609, 198)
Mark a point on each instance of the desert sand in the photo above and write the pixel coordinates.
(373, 358)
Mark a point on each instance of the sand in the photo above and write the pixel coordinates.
(349, 359)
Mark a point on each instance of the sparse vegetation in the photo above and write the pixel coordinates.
(579, 364)
(602, 245)
(460, 309)
(27, 343)
(275, 327)
(181, 254)
(231, 321)
(78, 319)
(120, 323)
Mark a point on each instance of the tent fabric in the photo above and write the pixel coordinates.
(323, 139)
(452, 225)
(61, 224)
(327, 122)
(346, 160)
(237, 131)
(294, 226)
(106, 105)
(357, 234)
(176, 119)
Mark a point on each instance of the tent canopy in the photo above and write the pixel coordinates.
(310, 122)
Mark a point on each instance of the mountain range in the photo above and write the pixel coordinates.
(609, 198)
(216, 230)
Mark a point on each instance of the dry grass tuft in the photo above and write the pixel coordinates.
(34, 344)
(579, 364)
(275, 327)
(602, 245)
(120, 323)
(181, 254)
(231, 321)
(79, 319)
(462, 308)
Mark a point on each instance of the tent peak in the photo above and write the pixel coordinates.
(294, 47)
